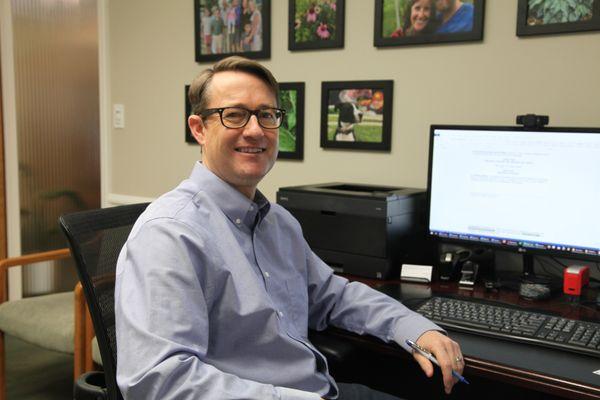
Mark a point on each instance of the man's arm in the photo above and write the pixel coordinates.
(353, 306)
(358, 308)
(162, 321)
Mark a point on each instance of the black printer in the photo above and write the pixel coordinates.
(359, 229)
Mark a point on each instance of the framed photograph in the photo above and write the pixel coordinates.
(188, 110)
(357, 115)
(291, 132)
(541, 17)
(315, 24)
(407, 22)
(232, 27)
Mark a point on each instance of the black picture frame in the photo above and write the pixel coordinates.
(189, 138)
(291, 98)
(341, 100)
(391, 25)
(539, 21)
(232, 33)
(307, 28)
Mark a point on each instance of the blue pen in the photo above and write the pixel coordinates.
(431, 358)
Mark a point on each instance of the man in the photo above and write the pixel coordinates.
(207, 29)
(216, 30)
(216, 287)
(255, 37)
(455, 16)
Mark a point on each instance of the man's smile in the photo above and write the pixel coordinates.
(250, 149)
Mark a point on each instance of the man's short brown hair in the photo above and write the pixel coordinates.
(199, 88)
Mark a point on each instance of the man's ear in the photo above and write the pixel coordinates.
(197, 128)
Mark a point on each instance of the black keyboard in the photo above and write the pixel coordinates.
(514, 324)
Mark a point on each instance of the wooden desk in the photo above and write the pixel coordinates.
(535, 368)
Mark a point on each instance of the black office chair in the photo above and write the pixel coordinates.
(96, 238)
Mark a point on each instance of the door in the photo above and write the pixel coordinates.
(55, 135)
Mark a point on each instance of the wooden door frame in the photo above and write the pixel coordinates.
(3, 240)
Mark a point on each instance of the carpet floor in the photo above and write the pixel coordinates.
(33, 373)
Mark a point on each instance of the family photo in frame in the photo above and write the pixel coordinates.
(232, 27)
(407, 22)
(356, 114)
(315, 24)
(541, 17)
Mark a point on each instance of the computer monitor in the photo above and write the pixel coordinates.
(531, 191)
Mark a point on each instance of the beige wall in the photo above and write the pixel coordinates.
(151, 58)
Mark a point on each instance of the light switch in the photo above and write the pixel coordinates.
(118, 116)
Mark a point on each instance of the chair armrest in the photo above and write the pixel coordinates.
(25, 260)
(82, 318)
(84, 333)
(342, 355)
(90, 386)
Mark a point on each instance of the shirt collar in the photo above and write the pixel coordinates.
(238, 208)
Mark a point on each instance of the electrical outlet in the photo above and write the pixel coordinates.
(118, 116)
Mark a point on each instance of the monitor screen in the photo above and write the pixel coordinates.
(523, 190)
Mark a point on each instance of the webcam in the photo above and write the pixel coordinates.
(532, 120)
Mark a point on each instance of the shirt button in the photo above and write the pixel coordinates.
(266, 274)
(238, 221)
(280, 314)
(252, 207)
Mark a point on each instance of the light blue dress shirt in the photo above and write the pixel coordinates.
(215, 294)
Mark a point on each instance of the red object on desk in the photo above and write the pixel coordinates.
(575, 277)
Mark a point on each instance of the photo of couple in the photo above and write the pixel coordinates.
(428, 21)
(420, 17)
(229, 27)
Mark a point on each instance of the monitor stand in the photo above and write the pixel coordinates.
(528, 271)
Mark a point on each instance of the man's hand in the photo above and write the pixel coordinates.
(446, 351)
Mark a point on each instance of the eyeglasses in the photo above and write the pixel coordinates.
(238, 117)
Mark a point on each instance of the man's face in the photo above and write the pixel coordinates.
(444, 5)
(242, 156)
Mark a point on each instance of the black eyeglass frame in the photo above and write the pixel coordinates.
(210, 111)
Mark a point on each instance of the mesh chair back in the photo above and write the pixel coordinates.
(96, 238)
